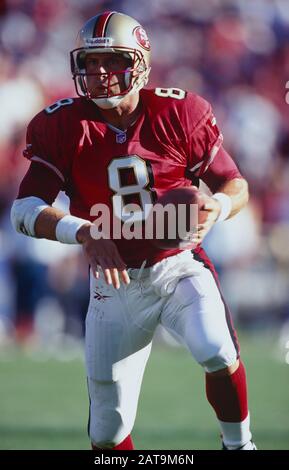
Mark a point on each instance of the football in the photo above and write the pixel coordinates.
(176, 215)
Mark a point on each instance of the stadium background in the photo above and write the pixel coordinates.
(235, 54)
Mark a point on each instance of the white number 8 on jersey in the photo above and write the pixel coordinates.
(141, 188)
(176, 93)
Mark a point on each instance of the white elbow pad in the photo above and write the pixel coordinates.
(24, 213)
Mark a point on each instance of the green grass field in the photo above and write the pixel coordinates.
(43, 405)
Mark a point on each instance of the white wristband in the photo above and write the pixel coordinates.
(67, 228)
(226, 205)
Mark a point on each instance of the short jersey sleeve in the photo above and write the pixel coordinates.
(207, 159)
(205, 139)
(45, 145)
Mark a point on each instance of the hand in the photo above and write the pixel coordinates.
(103, 253)
(213, 209)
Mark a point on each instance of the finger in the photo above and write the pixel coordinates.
(107, 276)
(201, 235)
(210, 220)
(124, 276)
(115, 278)
(198, 237)
(94, 269)
(121, 267)
(209, 206)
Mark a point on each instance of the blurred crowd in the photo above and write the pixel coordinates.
(235, 53)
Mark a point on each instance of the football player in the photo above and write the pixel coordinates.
(118, 143)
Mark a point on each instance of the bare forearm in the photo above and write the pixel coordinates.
(46, 222)
(237, 189)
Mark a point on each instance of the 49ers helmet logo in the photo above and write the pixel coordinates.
(141, 38)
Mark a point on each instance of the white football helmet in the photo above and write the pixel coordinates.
(112, 32)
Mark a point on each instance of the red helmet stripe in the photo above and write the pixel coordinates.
(99, 29)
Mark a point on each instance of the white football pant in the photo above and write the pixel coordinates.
(180, 294)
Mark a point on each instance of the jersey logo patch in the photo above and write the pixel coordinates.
(100, 296)
(120, 137)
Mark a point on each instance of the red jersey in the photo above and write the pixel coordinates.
(174, 140)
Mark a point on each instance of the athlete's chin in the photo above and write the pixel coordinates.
(99, 92)
(102, 93)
